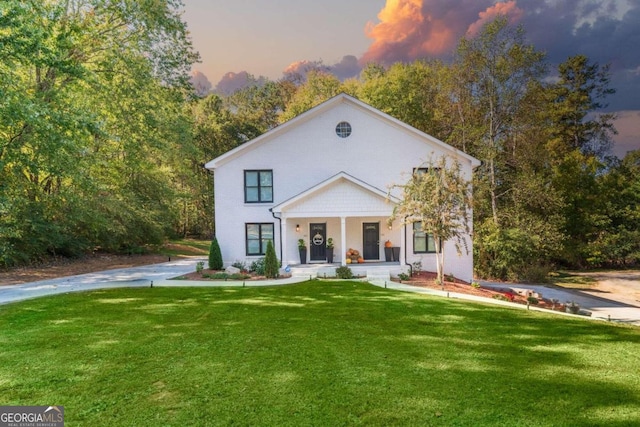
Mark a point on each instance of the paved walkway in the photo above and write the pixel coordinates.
(159, 275)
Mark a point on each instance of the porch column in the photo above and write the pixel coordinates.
(343, 240)
(403, 244)
(283, 241)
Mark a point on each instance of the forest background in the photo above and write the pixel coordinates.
(103, 138)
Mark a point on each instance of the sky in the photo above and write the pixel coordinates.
(267, 38)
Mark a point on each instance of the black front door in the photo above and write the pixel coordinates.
(371, 240)
(318, 242)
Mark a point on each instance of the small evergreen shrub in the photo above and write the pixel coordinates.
(403, 276)
(215, 255)
(271, 264)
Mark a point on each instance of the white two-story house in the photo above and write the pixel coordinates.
(326, 174)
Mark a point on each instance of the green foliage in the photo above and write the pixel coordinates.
(502, 254)
(199, 266)
(93, 129)
(271, 263)
(240, 265)
(344, 272)
(258, 267)
(215, 255)
(439, 199)
(403, 276)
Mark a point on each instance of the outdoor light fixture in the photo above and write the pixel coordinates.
(297, 228)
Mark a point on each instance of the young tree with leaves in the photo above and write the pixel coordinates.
(439, 198)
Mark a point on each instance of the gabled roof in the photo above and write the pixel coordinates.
(319, 109)
(324, 188)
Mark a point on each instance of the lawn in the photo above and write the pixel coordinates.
(317, 353)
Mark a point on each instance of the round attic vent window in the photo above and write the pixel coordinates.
(343, 129)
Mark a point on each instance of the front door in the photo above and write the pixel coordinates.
(318, 242)
(371, 240)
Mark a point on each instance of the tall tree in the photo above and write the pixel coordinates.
(495, 70)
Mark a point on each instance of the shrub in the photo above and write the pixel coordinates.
(217, 276)
(238, 276)
(199, 266)
(215, 255)
(271, 264)
(344, 272)
(257, 267)
(403, 276)
(532, 300)
(475, 285)
(240, 266)
(417, 267)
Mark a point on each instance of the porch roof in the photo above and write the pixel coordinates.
(340, 195)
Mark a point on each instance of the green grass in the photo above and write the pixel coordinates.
(317, 353)
(186, 247)
(572, 280)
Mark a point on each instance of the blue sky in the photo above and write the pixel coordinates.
(264, 37)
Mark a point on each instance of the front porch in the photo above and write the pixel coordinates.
(345, 211)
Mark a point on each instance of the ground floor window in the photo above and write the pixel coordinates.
(258, 234)
(422, 242)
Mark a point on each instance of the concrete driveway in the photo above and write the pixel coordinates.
(615, 298)
(118, 278)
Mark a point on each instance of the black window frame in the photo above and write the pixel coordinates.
(259, 187)
(262, 241)
(424, 236)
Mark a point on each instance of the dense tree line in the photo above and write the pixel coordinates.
(93, 125)
(103, 141)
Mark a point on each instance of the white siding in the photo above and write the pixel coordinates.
(303, 154)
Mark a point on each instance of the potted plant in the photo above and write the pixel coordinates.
(329, 251)
(302, 248)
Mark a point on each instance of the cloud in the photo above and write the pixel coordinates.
(508, 9)
(299, 69)
(606, 31)
(346, 68)
(412, 29)
(200, 83)
(232, 82)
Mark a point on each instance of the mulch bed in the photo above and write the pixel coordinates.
(426, 279)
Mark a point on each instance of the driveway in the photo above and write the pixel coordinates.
(118, 278)
(615, 298)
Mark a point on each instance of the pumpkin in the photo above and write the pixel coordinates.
(388, 244)
(348, 260)
(360, 260)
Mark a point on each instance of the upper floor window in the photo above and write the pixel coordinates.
(258, 186)
(422, 242)
(343, 129)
